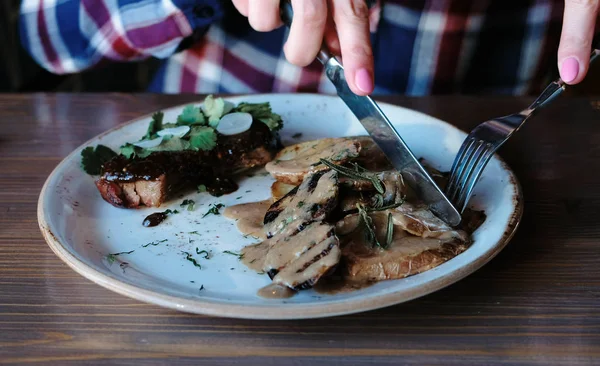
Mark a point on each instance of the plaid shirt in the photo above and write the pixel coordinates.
(420, 47)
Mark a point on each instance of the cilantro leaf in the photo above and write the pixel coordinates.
(214, 210)
(92, 158)
(155, 125)
(263, 113)
(203, 138)
(214, 108)
(190, 116)
(128, 150)
(189, 203)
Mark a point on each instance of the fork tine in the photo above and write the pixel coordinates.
(477, 150)
(458, 165)
(473, 178)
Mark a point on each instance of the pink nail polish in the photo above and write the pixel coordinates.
(364, 81)
(569, 69)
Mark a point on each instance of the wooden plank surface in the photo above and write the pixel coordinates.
(537, 302)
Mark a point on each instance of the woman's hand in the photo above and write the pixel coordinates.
(576, 39)
(342, 24)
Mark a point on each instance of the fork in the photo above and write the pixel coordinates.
(481, 144)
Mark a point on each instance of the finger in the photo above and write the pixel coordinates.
(241, 6)
(576, 39)
(331, 37)
(263, 15)
(352, 22)
(306, 33)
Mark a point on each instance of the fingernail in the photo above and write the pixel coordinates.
(569, 69)
(364, 81)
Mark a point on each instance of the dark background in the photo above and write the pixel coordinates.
(20, 73)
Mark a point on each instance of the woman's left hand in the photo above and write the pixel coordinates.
(579, 21)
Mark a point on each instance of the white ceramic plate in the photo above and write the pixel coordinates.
(82, 229)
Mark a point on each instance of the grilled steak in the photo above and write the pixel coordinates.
(150, 181)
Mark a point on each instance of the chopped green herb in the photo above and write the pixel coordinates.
(203, 138)
(201, 288)
(214, 109)
(189, 258)
(203, 252)
(170, 212)
(263, 113)
(214, 210)
(389, 234)
(155, 125)
(201, 188)
(128, 150)
(191, 116)
(297, 135)
(248, 191)
(238, 198)
(383, 208)
(354, 174)
(194, 233)
(189, 203)
(112, 257)
(92, 158)
(368, 225)
(239, 255)
(154, 243)
(300, 204)
(192, 281)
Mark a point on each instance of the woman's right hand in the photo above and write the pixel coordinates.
(342, 24)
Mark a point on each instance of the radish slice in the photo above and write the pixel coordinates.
(149, 143)
(175, 131)
(234, 123)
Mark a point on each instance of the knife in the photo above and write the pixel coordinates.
(383, 134)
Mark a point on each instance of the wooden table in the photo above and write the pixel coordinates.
(537, 302)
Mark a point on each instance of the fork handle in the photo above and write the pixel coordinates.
(558, 86)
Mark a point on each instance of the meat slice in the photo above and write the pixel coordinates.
(315, 198)
(420, 242)
(294, 162)
(150, 181)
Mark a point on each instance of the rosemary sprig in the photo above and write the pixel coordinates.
(383, 208)
(389, 234)
(368, 224)
(357, 174)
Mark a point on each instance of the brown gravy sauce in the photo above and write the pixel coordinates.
(338, 284)
(274, 291)
(249, 217)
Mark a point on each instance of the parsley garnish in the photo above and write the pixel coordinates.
(300, 204)
(194, 232)
(170, 212)
(214, 109)
(203, 138)
(239, 255)
(112, 257)
(263, 113)
(189, 203)
(155, 125)
(214, 210)
(201, 188)
(190, 116)
(189, 257)
(154, 243)
(92, 158)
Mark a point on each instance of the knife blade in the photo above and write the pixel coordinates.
(384, 134)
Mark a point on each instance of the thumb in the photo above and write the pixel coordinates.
(576, 39)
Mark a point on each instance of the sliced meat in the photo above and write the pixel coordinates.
(419, 221)
(371, 157)
(294, 162)
(315, 198)
(280, 189)
(300, 260)
(408, 253)
(150, 181)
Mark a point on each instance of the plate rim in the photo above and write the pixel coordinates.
(263, 312)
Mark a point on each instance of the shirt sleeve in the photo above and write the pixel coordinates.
(67, 36)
